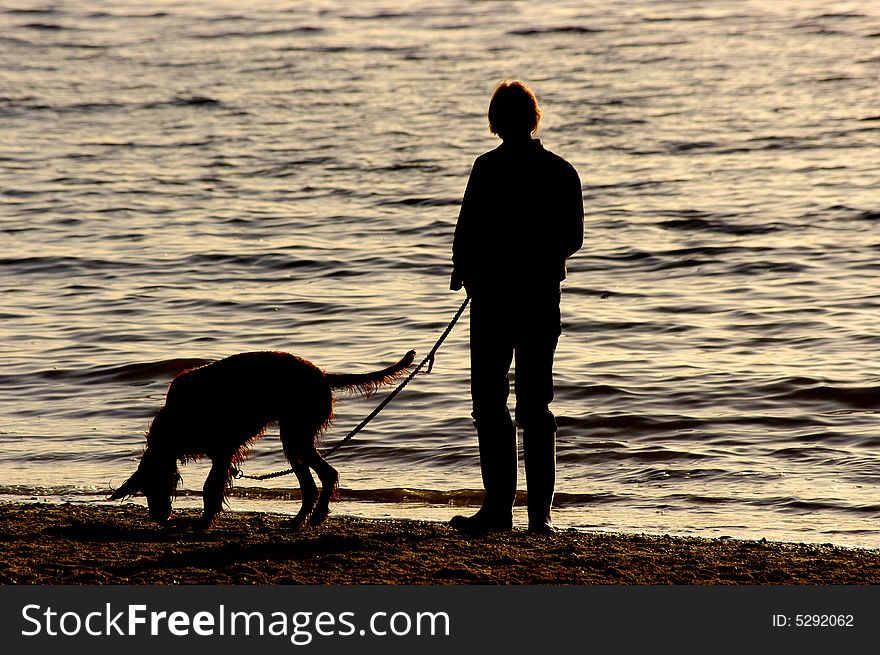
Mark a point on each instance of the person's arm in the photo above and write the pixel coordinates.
(573, 215)
(462, 242)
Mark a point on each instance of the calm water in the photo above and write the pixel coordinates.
(187, 180)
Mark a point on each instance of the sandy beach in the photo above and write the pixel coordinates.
(104, 544)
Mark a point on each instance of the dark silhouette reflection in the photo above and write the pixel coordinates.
(521, 218)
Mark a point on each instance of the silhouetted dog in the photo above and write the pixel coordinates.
(217, 410)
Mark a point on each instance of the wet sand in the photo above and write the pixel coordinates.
(116, 544)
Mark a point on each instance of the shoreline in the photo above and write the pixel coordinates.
(81, 544)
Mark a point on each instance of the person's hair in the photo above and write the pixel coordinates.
(513, 109)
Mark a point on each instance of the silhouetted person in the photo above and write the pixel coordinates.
(521, 217)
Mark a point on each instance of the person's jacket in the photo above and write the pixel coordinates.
(521, 217)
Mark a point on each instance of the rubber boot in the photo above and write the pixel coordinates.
(539, 454)
(498, 466)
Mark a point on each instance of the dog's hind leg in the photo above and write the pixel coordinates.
(299, 431)
(215, 489)
(308, 489)
(295, 442)
(329, 478)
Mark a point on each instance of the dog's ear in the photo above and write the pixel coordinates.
(129, 488)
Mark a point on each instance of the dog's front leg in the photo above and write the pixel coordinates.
(214, 490)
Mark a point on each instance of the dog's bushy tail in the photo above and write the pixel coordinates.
(367, 383)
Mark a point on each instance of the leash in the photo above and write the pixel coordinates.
(429, 360)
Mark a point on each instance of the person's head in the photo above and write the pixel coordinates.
(513, 110)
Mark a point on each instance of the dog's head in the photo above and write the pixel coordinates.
(157, 479)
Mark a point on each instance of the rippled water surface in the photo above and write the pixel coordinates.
(180, 181)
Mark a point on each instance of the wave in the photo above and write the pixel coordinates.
(470, 498)
(270, 261)
(693, 220)
(869, 215)
(219, 266)
(823, 393)
(126, 15)
(845, 139)
(45, 26)
(634, 185)
(717, 226)
(167, 368)
(57, 266)
(787, 504)
(633, 424)
(649, 454)
(840, 14)
(185, 101)
(390, 495)
(289, 31)
(694, 18)
(380, 15)
(23, 105)
(25, 11)
(422, 202)
(202, 263)
(563, 29)
(727, 257)
(810, 506)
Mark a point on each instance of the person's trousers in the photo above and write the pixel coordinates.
(519, 331)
